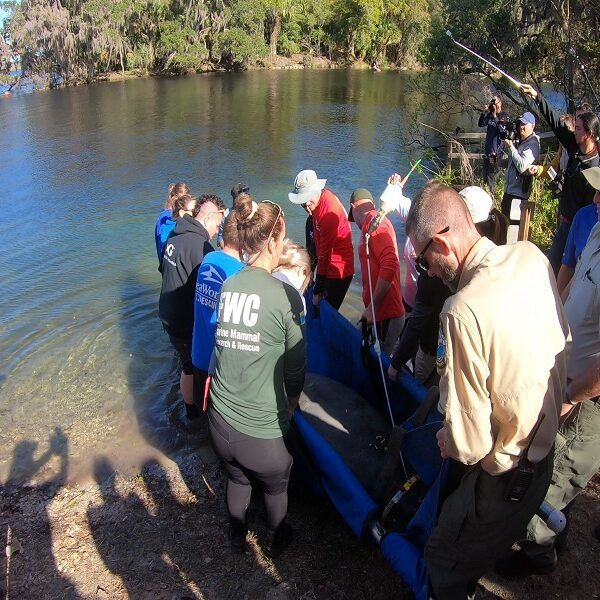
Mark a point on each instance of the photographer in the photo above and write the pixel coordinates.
(490, 117)
(582, 146)
(521, 155)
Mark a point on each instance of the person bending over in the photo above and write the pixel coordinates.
(294, 267)
(259, 375)
(384, 264)
(332, 237)
(185, 248)
(216, 267)
(502, 381)
(420, 336)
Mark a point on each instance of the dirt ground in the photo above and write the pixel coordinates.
(162, 534)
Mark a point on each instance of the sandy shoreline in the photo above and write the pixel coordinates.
(161, 534)
(112, 516)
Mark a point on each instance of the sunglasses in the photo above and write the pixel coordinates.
(280, 215)
(421, 262)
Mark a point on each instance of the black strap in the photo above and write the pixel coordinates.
(535, 431)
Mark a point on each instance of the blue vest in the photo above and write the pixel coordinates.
(214, 270)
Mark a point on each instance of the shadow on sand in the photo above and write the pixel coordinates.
(32, 484)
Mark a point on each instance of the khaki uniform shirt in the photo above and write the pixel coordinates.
(502, 357)
(583, 308)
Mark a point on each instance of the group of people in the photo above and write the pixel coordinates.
(235, 318)
(578, 136)
(518, 364)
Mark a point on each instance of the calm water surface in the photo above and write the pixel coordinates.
(83, 174)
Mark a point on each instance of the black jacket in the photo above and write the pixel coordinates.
(493, 143)
(423, 325)
(184, 250)
(576, 191)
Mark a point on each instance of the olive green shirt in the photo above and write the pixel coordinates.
(260, 353)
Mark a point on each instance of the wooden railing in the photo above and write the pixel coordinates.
(471, 139)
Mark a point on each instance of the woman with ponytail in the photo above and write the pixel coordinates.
(582, 147)
(178, 200)
(259, 373)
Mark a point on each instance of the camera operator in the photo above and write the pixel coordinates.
(490, 117)
(522, 153)
(582, 146)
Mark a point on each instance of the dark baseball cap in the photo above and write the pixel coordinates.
(239, 188)
(359, 194)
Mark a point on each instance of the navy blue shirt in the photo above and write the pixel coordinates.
(584, 221)
(493, 143)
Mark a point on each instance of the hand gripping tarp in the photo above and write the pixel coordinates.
(334, 350)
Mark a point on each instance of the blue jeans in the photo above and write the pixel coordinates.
(558, 245)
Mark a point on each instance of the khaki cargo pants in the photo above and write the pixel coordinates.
(576, 461)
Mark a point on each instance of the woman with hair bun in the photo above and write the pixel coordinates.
(260, 366)
(178, 194)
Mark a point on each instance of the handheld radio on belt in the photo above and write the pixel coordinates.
(523, 474)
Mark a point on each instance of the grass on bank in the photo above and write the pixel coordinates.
(543, 223)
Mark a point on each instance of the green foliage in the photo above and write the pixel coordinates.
(236, 46)
(543, 223)
(76, 40)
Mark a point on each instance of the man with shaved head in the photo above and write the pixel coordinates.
(502, 362)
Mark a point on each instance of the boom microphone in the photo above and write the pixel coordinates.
(516, 83)
(390, 199)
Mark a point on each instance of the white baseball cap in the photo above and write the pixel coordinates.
(478, 201)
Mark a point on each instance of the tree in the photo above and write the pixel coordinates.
(42, 33)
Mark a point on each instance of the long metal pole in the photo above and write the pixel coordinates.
(516, 83)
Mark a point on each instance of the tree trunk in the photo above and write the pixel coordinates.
(122, 63)
(275, 32)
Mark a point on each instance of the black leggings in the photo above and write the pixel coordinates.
(246, 459)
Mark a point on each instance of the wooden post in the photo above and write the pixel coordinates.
(527, 209)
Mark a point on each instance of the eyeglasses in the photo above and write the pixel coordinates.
(421, 262)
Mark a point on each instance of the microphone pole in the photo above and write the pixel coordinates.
(515, 82)
(587, 79)
(384, 210)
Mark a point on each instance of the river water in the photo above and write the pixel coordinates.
(84, 173)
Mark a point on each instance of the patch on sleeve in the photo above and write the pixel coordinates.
(440, 357)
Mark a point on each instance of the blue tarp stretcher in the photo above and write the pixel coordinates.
(334, 351)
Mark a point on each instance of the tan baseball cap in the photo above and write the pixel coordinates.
(593, 177)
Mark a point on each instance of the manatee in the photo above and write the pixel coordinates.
(349, 423)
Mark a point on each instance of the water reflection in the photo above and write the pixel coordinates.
(84, 172)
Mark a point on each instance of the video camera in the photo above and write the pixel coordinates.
(508, 130)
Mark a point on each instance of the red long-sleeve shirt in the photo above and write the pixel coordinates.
(383, 251)
(333, 240)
